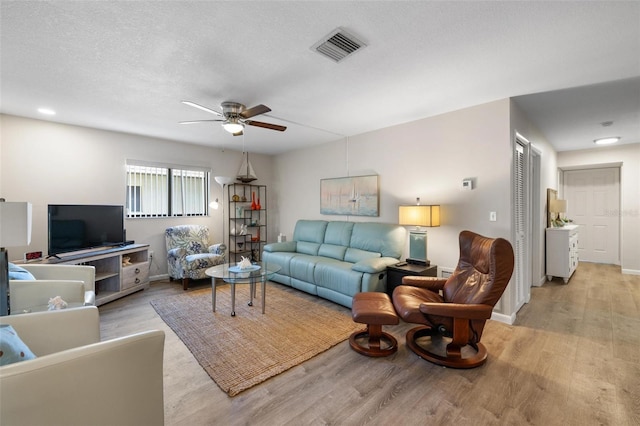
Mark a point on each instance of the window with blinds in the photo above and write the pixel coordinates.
(155, 190)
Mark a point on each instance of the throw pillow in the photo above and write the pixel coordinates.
(18, 273)
(12, 349)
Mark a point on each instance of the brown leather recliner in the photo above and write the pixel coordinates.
(467, 300)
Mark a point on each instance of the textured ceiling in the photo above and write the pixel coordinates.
(125, 66)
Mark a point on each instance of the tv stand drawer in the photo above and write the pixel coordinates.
(134, 275)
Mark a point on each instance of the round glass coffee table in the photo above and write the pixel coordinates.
(232, 274)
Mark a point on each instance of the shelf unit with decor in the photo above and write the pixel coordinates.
(247, 211)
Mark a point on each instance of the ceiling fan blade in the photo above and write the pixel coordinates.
(256, 110)
(265, 125)
(204, 108)
(197, 121)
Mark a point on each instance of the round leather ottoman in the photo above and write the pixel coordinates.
(375, 310)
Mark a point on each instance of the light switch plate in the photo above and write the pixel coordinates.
(493, 216)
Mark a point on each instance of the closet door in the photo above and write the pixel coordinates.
(521, 247)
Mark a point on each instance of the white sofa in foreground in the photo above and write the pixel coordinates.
(78, 380)
(51, 281)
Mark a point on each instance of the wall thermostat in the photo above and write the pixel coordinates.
(467, 184)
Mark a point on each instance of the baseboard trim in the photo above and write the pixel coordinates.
(540, 282)
(631, 271)
(507, 319)
(160, 277)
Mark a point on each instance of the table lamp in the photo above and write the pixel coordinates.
(15, 231)
(419, 215)
(557, 207)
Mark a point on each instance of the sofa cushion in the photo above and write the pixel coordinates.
(306, 247)
(310, 230)
(12, 348)
(384, 238)
(332, 251)
(302, 267)
(338, 276)
(354, 255)
(19, 273)
(338, 233)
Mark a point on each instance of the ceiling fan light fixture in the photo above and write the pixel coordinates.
(233, 126)
(606, 141)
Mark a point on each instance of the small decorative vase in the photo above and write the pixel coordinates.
(258, 206)
(253, 201)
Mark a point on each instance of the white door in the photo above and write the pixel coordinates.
(593, 202)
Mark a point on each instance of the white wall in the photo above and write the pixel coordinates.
(48, 163)
(629, 156)
(428, 158)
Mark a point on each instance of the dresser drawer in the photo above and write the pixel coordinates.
(134, 275)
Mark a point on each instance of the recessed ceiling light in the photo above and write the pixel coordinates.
(606, 141)
(46, 111)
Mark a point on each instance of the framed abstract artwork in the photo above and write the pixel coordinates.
(352, 196)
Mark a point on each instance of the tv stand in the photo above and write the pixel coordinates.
(114, 279)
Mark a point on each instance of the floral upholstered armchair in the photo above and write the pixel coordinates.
(189, 253)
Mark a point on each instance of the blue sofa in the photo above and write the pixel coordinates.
(336, 260)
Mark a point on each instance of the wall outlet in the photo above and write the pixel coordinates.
(493, 216)
(150, 254)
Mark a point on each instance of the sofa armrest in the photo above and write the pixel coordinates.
(218, 249)
(54, 331)
(177, 253)
(116, 382)
(86, 274)
(471, 311)
(89, 298)
(374, 265)
(434, 284)
(289, 246)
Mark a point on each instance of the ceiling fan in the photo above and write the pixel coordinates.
(235, 116)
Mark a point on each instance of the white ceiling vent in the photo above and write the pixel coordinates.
(337, 45)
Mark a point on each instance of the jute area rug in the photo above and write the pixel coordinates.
(240, 352)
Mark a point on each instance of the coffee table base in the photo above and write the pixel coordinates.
(252, 291)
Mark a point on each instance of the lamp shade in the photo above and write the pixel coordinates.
(15, 224)
(558, 206)
(419, 215)
(233, 126)
(223, 180)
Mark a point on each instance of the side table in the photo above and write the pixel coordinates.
(395, 274)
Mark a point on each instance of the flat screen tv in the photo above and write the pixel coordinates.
(80, 227)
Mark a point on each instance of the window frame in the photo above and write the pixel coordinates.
(167, 190)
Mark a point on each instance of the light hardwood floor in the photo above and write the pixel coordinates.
(572, 358)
